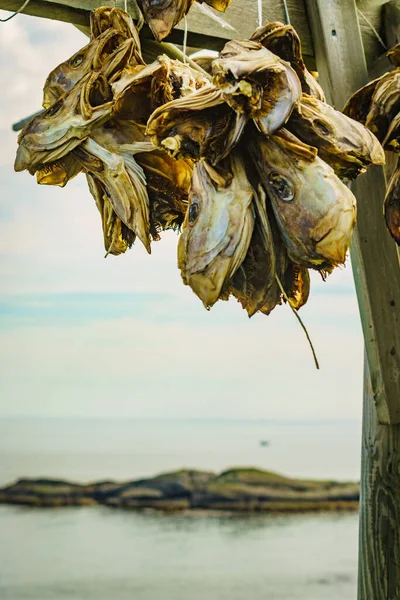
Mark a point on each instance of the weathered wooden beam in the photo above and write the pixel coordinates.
(343, 70)
(379, 541)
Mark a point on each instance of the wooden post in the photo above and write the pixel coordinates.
(379, 544)
(342, 67)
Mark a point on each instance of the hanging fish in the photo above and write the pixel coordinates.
(391, 205)
(284, 41)
(217, 229)
(253, 280)
(394, 55)
(124, 182)
(256, 83)
(346, 145)
(200, 125)
(110, 52)
(53, 133)
(314, 210)
(117, 237)
(162, 15)
(108, 17)
(168, 183)
(59, 172)
(377, 104)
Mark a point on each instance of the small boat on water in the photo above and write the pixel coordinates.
(264, 443)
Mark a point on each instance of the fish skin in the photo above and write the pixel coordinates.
(284, 41)
(162, 15)
(52, 134)
(391, 207)
(93, 56)
(217, 229)
(60, 172)
(251, 284)
(124, 182)
(345, 144)
(198, 126)
(385, 104)
(314, 210)
(116, 239)
(256, 82)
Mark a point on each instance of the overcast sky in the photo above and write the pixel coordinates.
(86, 336)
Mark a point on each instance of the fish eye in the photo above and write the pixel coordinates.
(77, 60)
(282, 186)
(193, 211)
(53, 110)
(322, 127)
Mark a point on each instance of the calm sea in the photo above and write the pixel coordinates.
(102, 554)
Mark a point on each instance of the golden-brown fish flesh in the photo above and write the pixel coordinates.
(55, 132)
(60, 172)
(346, 145)
(315, 211)
(168, 183)
(392, 205)
(256, 83)
(117, 237)
(162, 15)
(253, 280)
(110, 52)
(200, 125)
(284, 41)
(217, 229)
(394, 55)
(107, 17)
(124, 182)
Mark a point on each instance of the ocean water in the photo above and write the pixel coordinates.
(95, 553)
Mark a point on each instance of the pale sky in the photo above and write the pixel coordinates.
(86, 336)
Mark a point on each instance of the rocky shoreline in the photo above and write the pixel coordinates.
(238, 489)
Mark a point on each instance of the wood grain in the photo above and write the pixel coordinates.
(343, 70)
(379, 537)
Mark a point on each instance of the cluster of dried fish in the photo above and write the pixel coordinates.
(377, 106)
(248, 162)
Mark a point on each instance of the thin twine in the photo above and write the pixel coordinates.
(299, 320)
(126, 6)
(185, 35)
(286, 9)
(260, 8)
(378, 37)
(17, 12)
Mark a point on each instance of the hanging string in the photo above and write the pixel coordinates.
(286, 9)
(378, 37)
(17, 12)
(185, 34)
(299, 320)
(126, 6)
(260, 18)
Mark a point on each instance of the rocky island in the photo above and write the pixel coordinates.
(237, 489)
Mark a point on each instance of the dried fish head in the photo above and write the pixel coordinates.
(392, 139)
(217, 229)
(107, 17)
(162, 15)
(124, 182)
(346, 145)
(117, 237)
(314, 210)
(385, 104)
(252, 283)
(200, 125)
(220, 5)
(59, 172)
(168, 183)
(358, 105)
(53, 133)
(284, 41)
(257, 83)
(110, 52)
(392, 205)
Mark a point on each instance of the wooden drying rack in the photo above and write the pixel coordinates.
(339, 43)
